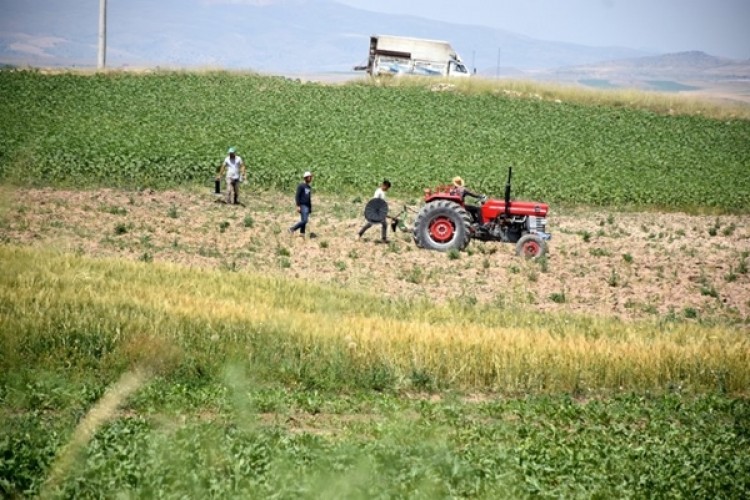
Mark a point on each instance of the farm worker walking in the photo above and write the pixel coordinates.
(235, 171)
(379, 194)
(303, 199)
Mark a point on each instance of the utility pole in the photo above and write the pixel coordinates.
(497, 72)
(102, 34)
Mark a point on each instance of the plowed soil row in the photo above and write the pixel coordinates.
(600, 262)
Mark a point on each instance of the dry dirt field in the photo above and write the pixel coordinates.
(600, 262)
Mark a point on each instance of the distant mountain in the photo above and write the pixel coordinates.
(694, 72)
(682, 71)
(693, 65)
(277, 36)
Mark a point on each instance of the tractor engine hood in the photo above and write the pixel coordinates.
(495, 208)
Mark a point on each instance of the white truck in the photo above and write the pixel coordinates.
(398, 55)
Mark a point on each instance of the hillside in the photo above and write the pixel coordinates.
(301, 36)
(685, 71)
(157, 343)
(154, 380)
(173, 129)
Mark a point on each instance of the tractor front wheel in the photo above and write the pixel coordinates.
(531, 246)
(442, 225)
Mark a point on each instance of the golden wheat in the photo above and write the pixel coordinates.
(473, 348)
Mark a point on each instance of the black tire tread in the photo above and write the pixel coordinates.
(425, 215)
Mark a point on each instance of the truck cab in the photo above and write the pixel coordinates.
(457, 68)
(397, 55)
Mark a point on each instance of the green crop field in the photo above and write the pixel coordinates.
(171, 129)
(155, 344)
(148, 380)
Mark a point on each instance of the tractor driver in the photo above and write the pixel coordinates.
(460, 190)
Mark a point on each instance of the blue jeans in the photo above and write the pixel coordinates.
(304, 214)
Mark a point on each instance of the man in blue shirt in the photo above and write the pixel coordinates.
(303, 199)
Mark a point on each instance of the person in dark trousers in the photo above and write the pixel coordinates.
(379, 193)
(303, 199)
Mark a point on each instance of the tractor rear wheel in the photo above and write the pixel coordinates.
(442, 225)
(531, 246)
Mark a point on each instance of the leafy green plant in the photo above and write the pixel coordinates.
(731, 276)
(709, 290)
(690, 313)
(587, 160)
(558, 297)
(543, 263)
(614, 278)
(742, 267)
(282, 251)
(729, 230)
(416, 275)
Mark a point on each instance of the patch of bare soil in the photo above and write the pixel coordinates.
(630, 265)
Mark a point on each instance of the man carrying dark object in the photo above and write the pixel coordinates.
(235, 171)
(379, 195)
(303, 199)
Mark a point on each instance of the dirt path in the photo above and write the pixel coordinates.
(632, 265)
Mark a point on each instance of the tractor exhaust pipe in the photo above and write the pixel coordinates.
(507, 192)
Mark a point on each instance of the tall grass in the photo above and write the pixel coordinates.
(106, 315)
(657, 102)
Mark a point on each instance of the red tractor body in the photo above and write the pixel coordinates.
(446, 221)
(492, 209)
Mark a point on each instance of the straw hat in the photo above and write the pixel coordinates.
(458, 182)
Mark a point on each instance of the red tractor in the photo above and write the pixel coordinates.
(445, 222)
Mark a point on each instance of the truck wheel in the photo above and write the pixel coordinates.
(531, 246)
(442, 225)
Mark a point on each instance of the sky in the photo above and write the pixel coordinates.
(718, 27)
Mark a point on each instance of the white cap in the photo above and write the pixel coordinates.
(307, 174)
